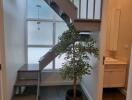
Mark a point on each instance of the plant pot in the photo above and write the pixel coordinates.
(69, 95)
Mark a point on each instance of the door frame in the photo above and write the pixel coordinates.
(2, 55)
(102, 38)
(129, 89)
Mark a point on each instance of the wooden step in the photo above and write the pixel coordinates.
(29, 67)
(53, 79)
(28, 75)
(28, 71)
(26, 83)
(27, 97)
(82, 25)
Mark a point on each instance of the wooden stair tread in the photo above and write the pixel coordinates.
(26, 82)
(23, 97)
(29, 67)
(53, 79)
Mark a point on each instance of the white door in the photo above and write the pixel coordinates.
(0, 84)
(1, 30)
(129, 91)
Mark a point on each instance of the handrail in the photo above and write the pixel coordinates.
(38, 86)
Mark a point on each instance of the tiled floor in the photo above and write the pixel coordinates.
(113, 94)
(58, 93)
(54, 93)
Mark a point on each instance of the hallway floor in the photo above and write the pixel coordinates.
(54, 93)
(113, 94)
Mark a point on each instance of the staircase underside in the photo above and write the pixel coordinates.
(68, 11)
(63, 6)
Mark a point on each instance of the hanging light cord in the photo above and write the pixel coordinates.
(38, 22)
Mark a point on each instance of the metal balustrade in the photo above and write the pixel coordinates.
(88, 9)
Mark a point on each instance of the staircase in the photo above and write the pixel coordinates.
(68, 12)
(28, 82)
(26, 85)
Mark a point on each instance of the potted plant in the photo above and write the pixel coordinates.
(77, 48)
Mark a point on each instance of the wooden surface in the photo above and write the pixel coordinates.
(114, 75)
(87, 25)
(29, 67)
(53, 79)
(48, 79)
(109, 60)
(113, 94)
(26, 82)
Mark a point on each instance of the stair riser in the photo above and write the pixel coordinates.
(27, 75)
(87, 26)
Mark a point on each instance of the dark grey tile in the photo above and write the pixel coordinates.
(54, 92)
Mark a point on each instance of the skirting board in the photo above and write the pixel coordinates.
(89, 97)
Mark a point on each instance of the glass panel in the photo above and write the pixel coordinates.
(43, 36)
(83, 8)
(34, 54)
(60, 28)
(90, 9)
(45, 10)
(59, 61)
(97, 9)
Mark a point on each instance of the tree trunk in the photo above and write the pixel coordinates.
(75, 78)
(74, 88)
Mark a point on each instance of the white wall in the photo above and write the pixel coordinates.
(14, 13)
(89, 82)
